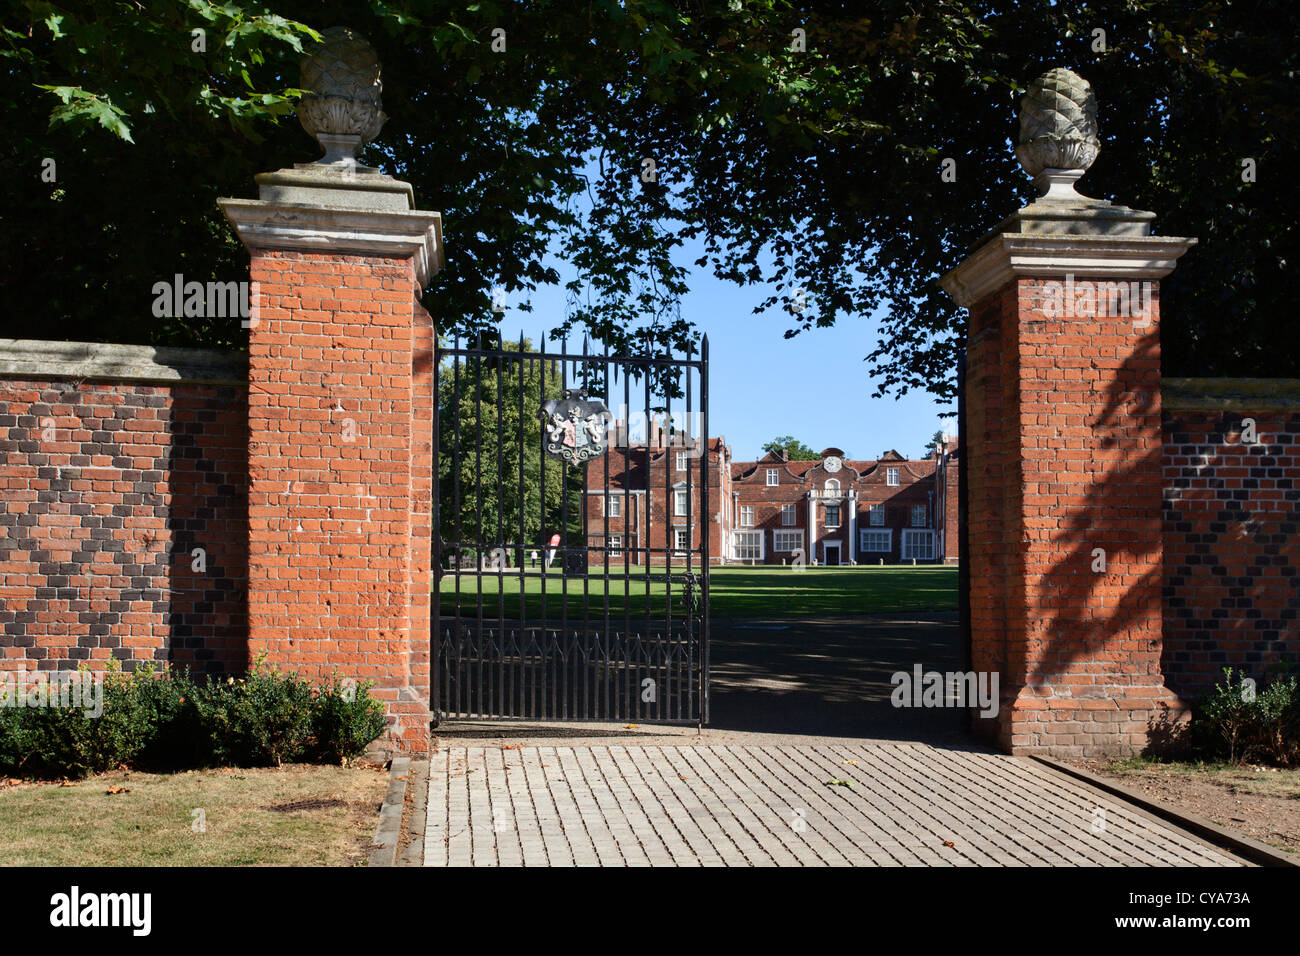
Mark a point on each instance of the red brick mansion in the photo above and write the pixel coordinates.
(829, 511)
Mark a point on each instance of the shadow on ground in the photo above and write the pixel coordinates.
(784, 681)
(831, 677)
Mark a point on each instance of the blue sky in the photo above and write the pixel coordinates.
(814, 386)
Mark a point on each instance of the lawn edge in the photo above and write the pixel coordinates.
(389, 827)
(1239, 843)
(411, 844)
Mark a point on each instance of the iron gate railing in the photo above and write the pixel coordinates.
(544, 609)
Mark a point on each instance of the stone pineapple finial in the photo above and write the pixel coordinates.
(1058, 133)
(343, 111)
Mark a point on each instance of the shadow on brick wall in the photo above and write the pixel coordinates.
(1096, 622)
(208, 524)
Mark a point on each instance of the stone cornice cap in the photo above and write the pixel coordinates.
(339, 186)
(1010, 255)
(97, 361)
(309, 227)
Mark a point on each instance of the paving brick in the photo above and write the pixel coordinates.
(736, 806)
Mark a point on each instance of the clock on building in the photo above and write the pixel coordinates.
(832, 463)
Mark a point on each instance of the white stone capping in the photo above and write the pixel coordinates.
(1010, 255)
(38, 359)
(306, 228)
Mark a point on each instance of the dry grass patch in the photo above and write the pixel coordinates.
(1261, 802)
(295, 815)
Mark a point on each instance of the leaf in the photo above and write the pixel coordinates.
(82, 107)
(839, 783)
(116, 789)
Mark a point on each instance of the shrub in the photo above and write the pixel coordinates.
(345, 718)
(264, 718)
(169, 721)
(179, 738)
(69, 741)
(1239, 722)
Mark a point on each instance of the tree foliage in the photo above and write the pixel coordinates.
(794, 449)
(815, 171)
(490, 416)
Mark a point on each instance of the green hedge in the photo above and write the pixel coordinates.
(1241, 722)
(169, 720)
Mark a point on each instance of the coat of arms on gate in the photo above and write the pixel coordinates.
(575, 428)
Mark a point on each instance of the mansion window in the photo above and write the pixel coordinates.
(877, 540)
(787, 541)
(681, 461)
(787, 515)
(747, 545)
(918, 516)
(747, 516)
(891, 476)
(681, 539)
(773, 476)
(614, 545)
(918, 544)
(832, 516)
(876, 516)
(832, 486)
(679, 502)
(613, 506)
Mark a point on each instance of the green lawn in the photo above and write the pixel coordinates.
(735, 592)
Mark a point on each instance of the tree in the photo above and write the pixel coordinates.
(802, 144)
(794, 449)
(488, 454)
(936, 440)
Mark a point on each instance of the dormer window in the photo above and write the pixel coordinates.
(773, 476)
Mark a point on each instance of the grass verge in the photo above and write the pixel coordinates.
(294, 815)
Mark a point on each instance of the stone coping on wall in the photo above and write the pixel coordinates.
(98, 361)
(1230, 394)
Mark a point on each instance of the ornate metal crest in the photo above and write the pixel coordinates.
(575, 428)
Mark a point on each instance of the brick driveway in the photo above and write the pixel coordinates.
(764, 805)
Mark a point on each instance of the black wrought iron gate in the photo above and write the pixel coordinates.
(573, 502)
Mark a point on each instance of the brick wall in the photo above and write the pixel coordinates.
(1231, 529)
(118, 463)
